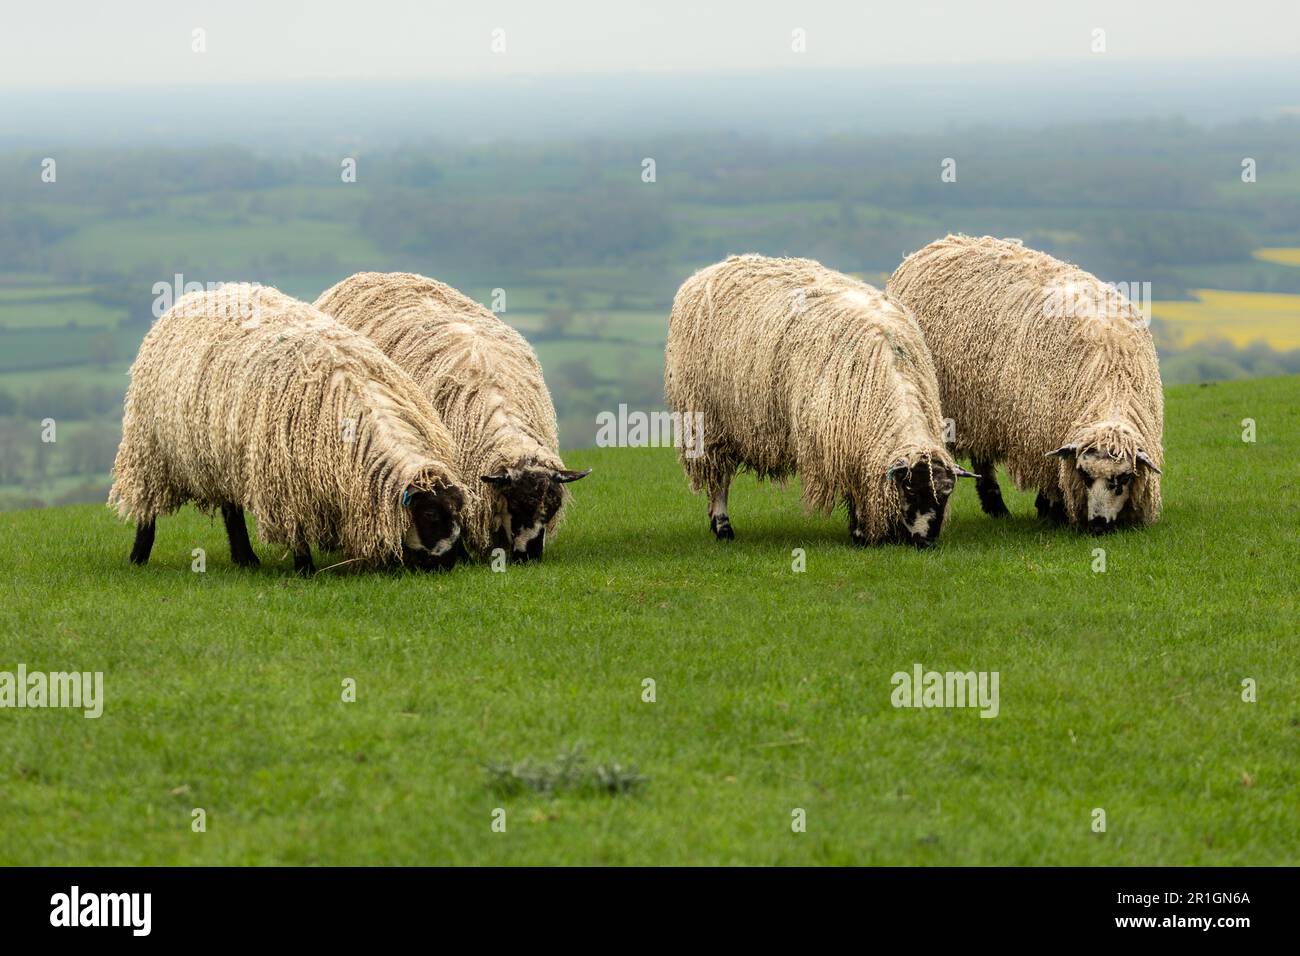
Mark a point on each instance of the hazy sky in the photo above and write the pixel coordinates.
(78, 43)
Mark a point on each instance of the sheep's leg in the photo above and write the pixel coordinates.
(719, 486)
(144, 532)
(712, 471)
(241, 549)
(719, 521)
(856, 531)
(986, 486)
(302, 562)
(1050, 509)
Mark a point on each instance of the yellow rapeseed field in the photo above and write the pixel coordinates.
(1240, 317)
(1286, 257)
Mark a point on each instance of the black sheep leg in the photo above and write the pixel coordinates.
(856, 532)
(986, 486)
(1049, 510)
(241, 549)
(302, 562)
(144, 532)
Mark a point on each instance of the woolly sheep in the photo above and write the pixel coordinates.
(797, 368)
(1044, 367)
(243, 397)
(485, 381)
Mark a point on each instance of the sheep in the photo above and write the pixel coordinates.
(242, 397)
(1044, 367)
(800, 369)
(483, 378)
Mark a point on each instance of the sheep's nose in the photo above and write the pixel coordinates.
(1100, 525)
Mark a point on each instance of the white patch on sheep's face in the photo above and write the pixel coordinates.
(446, 544)
(412, 540)
(920, 525)
(1110, 484)
(522, 539)
(1104, 502)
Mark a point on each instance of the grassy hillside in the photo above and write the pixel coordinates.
(1119, 690)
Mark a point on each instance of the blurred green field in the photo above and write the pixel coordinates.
(51, 312)
(1119, 690)
(19, 292)
(211, 250)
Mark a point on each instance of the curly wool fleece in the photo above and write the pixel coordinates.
(798, 368)
(1033, 354)
(248, 396)
(481, 375)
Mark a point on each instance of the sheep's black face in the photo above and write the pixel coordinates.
(925, 489)
(433, 542)
(529, 498)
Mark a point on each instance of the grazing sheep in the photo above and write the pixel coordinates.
(1044, 367)
(797, 368)
(243, 397)
(485, 381)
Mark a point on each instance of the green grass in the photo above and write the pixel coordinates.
(1119, 690)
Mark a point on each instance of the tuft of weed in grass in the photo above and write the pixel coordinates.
(569, 772)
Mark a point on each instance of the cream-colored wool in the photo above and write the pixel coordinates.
(800, 369)
(1032, 354)
(481, 375)
(245, 395)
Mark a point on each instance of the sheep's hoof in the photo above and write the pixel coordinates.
(722, 529)
(997, 510)
(247, 561)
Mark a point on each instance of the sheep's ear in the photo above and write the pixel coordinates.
(1145, 459)
(1065, 451)
(410, 492)
(896, 471)
(499, 480)
(961, 472)
(563, 476)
